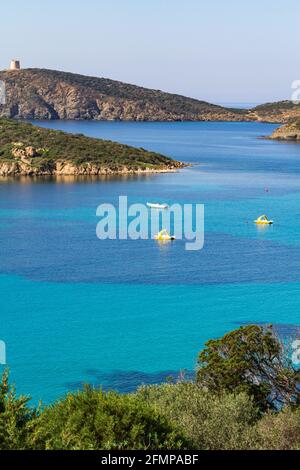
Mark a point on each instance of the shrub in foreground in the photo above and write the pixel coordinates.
(15, 416)
(245, 397)
(278, 431)
(210, 421)
(92, 420)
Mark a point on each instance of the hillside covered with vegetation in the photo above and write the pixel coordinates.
(279, 111)
(245, 396)
(30, 150)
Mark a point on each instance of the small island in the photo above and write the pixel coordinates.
(28, 150)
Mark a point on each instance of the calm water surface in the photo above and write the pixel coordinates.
(120, 313)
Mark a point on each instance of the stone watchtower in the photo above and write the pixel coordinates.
(15, 65)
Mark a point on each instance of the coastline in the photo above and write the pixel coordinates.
(67, 169)
(287, 133)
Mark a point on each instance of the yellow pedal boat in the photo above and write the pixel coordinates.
(263, 220)
(164, 236)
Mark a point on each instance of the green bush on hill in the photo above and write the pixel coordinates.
(15, 417)
(95, 420)
(210, 421)
(277, 106)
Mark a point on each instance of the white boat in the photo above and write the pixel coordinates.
(155, 205)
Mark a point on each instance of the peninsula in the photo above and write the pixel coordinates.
(30, 150)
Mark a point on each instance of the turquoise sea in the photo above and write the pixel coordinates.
(76, 309)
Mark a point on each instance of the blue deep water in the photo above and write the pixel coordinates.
(75, 309)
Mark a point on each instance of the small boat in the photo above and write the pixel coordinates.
(164, 236)
(155, 205)
(263, 220)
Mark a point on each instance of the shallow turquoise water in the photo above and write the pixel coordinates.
(119, 313)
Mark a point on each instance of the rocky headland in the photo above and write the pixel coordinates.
(290, 131)
(50, 94)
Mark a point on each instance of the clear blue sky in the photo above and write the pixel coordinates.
(217, 50)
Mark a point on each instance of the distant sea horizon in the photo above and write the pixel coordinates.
(242, 105)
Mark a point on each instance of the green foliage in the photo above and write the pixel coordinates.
(278, 431)
(252, 360)
(15, 416)
(209, 421)
(95, 420)
(51, 146)
(226, 421)
(231, 406)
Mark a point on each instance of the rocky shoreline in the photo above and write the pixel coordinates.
(21, 168)
(288, 132)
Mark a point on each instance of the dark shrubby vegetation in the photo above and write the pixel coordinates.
(245, 397)
(15, 417)
(52, 145)
(95, 420)
(209, 420)
(277, 106)
(87, 420)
